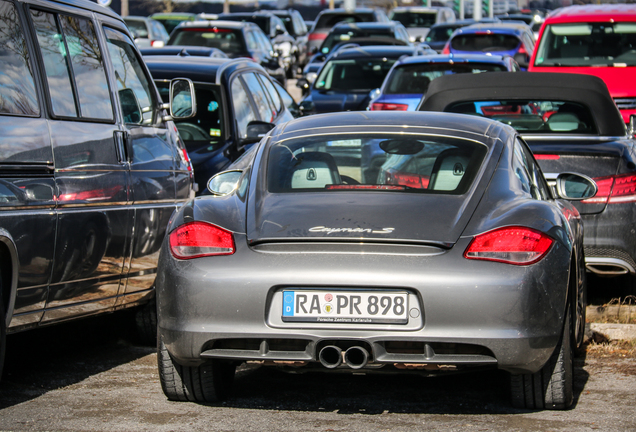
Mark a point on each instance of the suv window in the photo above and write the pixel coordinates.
(135, 97)
(484, 42)
(74, 66)
(242, 107)
(17, 87)
(265, 110)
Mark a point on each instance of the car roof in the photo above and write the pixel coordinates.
(169, 15)
(201, 69)
(587, 90)
(505, 28)
(238, 25)
(392, 51)
(366, 120)
(346, 11)
(455, 58)
(91, 6)
(593, 13)
(368, 25)
(458, 23)
(182, 50)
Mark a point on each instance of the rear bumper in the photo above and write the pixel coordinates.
(472, 313)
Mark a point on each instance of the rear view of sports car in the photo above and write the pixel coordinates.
(452, 254)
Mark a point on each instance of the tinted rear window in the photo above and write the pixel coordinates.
(358, 74)
(261, 21)
(533, 116)
(416, 78)
(415, 19)
(440, 34)
(345, 35)
(485, 42)
(326, 21)
(374, 162)
(230, 41)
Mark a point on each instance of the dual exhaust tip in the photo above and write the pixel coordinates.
(355, 357)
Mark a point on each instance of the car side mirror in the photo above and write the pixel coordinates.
(183, 102)
(257, 129)
(522, 60)
(130, 106)
(224, 183)
(575, 187)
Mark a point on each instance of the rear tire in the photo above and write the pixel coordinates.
(210, 382)
(3, 331)
(551, 387)
(146, 323)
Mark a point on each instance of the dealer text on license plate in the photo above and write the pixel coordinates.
(370, 307)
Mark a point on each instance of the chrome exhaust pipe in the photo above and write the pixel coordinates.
(330, 356)
(356, 357)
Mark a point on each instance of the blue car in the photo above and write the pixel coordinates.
(515, 40)
(345, 81)
(409, 79)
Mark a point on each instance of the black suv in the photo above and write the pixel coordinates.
(236, 39)
(91, 166)
(235, 102)
(296, 27)
(274, 29)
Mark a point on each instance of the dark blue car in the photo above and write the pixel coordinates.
(513, 39)
(346, 79)
(409, 79)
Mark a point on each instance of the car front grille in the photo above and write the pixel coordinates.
(625, 103)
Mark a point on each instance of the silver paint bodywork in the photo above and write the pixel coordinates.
(468, 313)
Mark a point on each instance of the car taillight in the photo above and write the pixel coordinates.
(317, 36)
(522, 50)
(377, 106)
(199, 239)
(614, 190)
(157, 44)
(547, 157)
(511, 245)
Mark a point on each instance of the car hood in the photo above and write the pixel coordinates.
(333, 101)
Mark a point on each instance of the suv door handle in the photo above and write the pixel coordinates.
(121, 145)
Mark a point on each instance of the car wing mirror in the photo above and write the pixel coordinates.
(130, 106)
(224, 183)
(575, 187)
(257, 129)
(183, 102)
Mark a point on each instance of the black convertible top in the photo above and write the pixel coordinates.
(587, 90)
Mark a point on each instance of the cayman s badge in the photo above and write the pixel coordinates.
(327, 230)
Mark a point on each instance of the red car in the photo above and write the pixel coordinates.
(595, 40)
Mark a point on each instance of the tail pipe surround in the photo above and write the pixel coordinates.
(330, 356)
(356, 357)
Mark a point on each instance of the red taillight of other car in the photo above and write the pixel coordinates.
(377, 106)
(511, 245)
(614, 190)
(199, 239)
(446, 49)
(317, 36)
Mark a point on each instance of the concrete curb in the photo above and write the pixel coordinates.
(626, 332)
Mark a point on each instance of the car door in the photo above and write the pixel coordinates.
(156, 168)
(90, 177)
(27, 184)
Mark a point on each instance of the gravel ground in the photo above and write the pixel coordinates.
(90, 376)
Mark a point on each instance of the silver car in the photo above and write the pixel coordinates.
(377, 241)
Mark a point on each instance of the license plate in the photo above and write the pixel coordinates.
(359, 307)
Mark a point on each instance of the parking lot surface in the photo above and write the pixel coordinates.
(91, 375)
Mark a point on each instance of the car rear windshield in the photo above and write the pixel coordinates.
(411, 79)
(345, 35)
(533, 116)
(328, 20)
(261, 21)
(415, 19)
(138, 27)
(354, 74)
(440, 34)
(374, 162)
(230, 41)
(204, 131)
(485, 42)
(588, 44)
